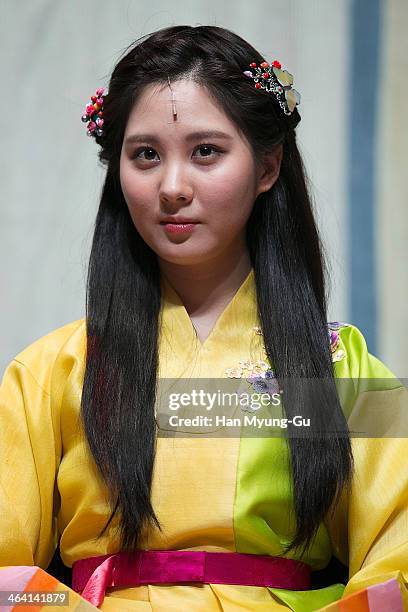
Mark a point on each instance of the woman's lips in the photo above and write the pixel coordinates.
(179, 228)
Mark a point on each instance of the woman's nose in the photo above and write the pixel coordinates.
(175, 185)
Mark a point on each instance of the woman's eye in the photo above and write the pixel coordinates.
(149, 150)
(148, 153)
(206, 148)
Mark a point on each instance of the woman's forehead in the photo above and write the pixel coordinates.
(189, 96)
(196, 110)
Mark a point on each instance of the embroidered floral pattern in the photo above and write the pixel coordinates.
(334, 337)
(248, 369)
(258, 372)
(266, 383)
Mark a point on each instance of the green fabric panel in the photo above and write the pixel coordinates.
(308, 601)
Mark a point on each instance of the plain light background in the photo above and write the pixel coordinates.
(55, 54)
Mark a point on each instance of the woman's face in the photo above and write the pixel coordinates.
(169, 169)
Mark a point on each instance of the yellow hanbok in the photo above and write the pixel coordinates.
(226, 494)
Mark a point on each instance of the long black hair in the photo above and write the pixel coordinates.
(124, 297)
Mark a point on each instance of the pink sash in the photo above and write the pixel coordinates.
(92, 576)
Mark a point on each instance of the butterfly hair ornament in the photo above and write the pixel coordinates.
(94, 114)
(274, 80)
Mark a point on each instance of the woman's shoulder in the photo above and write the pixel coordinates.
(351, 353)
(67, 343)
(346, 342)
(52, 342)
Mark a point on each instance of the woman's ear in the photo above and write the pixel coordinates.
(269, 168)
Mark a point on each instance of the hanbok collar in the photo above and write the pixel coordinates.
(179, 340)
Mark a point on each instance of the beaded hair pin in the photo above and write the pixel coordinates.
(94, 114)
(277, 81)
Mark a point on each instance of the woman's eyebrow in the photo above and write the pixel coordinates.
(192, 136)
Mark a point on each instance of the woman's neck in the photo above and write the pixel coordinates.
(207, 288)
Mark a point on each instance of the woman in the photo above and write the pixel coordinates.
(206, 264)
